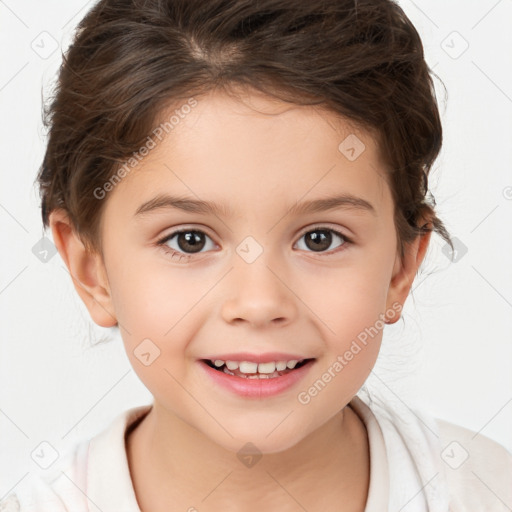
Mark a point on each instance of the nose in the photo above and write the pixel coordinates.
(258, 295)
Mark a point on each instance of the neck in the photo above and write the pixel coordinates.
(173, 463)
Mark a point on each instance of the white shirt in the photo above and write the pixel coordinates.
(417, 464)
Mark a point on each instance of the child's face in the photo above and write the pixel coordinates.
(256, 284)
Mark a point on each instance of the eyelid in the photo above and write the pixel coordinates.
(326, 227)
(185, 229)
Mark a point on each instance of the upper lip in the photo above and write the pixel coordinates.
(257, 358)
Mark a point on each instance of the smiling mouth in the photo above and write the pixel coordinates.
(250, 371)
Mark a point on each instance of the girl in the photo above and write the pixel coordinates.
(241, 188)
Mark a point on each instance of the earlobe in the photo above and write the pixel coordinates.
(86, 269)
(404, 272)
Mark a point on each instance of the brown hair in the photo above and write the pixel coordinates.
(131, 59)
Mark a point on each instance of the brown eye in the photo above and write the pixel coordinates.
(321, 239)
(190, 241)
(186, 241)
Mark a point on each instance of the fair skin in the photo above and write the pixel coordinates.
(259, 158)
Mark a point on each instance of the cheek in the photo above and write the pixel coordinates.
(350, 297)
(352, 328)
(156, 307)
(153, 299)
(349, 303)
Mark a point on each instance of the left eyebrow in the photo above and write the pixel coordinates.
(344, 201)
(188, 204)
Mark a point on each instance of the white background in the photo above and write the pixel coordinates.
(453, 355)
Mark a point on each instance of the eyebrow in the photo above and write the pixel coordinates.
(165, 201)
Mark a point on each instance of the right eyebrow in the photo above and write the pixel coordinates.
(187, 204)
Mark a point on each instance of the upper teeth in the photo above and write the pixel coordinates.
(249, 367)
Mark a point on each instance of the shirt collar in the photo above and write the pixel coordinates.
(378, 490)
(110, 487)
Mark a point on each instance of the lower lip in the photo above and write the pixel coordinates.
(257, 388)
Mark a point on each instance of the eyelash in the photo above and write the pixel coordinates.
(162, 243)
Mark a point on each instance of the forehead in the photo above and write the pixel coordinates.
(231, 149)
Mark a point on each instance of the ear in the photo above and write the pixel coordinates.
(404, 272)
(86, 268)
